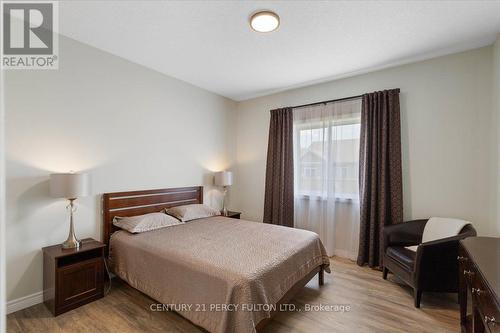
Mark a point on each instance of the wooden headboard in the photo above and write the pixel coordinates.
(142, 202)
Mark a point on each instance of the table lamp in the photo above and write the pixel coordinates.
(224, 179)
(69, 186)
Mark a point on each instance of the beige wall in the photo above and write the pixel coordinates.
(496, 135)
(446, 106)
(128, 126)
(2, 207)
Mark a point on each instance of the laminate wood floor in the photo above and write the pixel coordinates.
(375, 306)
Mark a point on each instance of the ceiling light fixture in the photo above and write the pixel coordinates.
(264, 21)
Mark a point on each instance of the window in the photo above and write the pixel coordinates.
(326, 140)
(310, 172)
(326, 153)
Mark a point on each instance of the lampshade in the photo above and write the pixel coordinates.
(223, 178)
(69, 185)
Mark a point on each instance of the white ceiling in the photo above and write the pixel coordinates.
(210, 44)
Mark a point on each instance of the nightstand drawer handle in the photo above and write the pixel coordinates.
(477, 291)
(490, 320)
(469, 273)
(461, 258)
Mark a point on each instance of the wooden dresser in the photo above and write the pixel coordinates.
(479, 284)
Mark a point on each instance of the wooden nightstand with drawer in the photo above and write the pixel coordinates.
(233, 215)
(72, 277)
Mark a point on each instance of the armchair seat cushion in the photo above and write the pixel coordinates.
(402, 256)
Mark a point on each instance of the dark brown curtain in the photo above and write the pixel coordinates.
(380, 175)
(278, 200)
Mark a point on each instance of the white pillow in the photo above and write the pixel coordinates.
(191, 212)
(147, 222)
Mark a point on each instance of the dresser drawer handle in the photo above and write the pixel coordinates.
(469, 273)
(490, 320)
(461, 258)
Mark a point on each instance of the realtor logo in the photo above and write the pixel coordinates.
(29, 34)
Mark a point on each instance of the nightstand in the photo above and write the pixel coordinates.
(233, 215)
(72, 277)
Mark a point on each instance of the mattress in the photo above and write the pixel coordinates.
(220, 273)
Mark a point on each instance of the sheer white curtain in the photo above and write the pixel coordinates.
(326, 166)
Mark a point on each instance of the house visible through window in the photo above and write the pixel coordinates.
(327, 157)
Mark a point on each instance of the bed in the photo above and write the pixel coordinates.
(222, 274)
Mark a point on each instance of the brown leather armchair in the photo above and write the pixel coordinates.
(432, 268)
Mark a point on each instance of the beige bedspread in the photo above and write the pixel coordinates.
(208, 263)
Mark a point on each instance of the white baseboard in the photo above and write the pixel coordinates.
(24, 302)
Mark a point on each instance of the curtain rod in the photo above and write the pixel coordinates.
(332, 100)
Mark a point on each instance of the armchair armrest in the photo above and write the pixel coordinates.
(436, 262)
(404, 234)
(436, 247)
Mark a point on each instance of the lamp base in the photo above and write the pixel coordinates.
(71, 244)
(224, 208)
